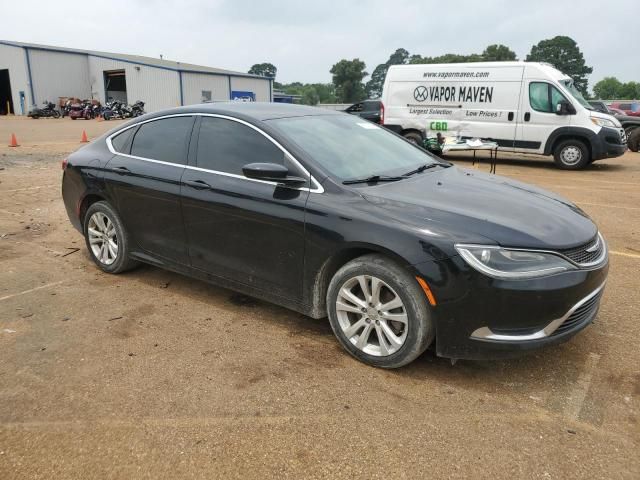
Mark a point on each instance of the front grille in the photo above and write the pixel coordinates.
(583, 314)
(581, 256)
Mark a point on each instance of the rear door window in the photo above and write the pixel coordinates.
(122, 142)
(166, 140)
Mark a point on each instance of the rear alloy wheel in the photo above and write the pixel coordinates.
(107, 239)
(571, 155)
(378, 312)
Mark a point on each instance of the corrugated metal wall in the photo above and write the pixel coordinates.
(13, 58)
(194, 83)
(157, 88)
(61, 74)
(260, 87)
(57, 74)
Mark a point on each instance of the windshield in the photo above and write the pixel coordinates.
(575, 93)
(349, 147)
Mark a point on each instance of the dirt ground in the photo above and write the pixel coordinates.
(154, 375)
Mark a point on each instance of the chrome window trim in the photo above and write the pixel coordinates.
(317, 187)
(485, 333)
(595, 263)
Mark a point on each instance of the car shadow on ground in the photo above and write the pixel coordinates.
(546, 365)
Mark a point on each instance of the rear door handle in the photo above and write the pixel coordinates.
(197, 184)
(121, 170)
(510, 116)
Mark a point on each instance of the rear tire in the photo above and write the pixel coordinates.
(633, 142)
(571, 154)
(413, 137)
(106, 238)
(388, 337)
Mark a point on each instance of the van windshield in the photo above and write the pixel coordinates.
(349, 147)
(575, 93)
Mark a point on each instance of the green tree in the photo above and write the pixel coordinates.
(347, 78)
(629, 91)
(563, 53)
(607, 88)
(264, 69)
(498, 53)
(310, 93)
(374, 86)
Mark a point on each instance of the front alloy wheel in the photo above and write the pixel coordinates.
(103, 238)
(372, 315)
(378, 311)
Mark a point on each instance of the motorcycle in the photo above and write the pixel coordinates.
(112, 110)
(77, 110)
(137, 109)
(49, 110)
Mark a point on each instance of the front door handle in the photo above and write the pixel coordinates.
(527, 116)
(197, 184)
(121, 170)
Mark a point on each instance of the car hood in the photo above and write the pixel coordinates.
(457, 204)
(606, 116)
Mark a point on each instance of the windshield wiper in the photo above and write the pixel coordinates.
(372, 179)
(421, 169)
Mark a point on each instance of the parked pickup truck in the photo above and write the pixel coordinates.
(629, 123)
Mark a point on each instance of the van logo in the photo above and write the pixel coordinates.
(420, 93)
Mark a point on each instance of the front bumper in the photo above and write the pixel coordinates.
(478, 317)
(611, 142)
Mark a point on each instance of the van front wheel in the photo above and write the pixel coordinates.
(413, 137)
(571, 155)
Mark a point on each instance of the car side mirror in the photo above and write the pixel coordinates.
(565, 108)
(272, 172)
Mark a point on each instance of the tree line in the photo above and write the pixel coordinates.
(348, 86)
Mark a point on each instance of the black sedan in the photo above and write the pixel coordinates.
(330, 215)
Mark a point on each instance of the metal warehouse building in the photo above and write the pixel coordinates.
(31, 74)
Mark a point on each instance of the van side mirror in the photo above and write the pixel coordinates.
(272, 172)
(563, 107)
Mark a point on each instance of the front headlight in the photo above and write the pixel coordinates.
(498, 262)
(604, 122)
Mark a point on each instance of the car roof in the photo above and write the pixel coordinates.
(254, 110)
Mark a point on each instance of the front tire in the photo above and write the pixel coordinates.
(413, 137)
(106, 239)
(378, 312)
(633, 141)
(571, 154)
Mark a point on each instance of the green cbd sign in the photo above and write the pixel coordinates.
(438, 126)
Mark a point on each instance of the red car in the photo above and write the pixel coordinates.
(629, 108)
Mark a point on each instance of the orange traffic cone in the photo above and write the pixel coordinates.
(84, 138)
(14, 141)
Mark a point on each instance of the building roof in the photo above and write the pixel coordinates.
(138, 59)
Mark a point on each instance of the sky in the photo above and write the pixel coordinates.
(303, 39)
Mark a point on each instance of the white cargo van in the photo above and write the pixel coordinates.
(524, 107)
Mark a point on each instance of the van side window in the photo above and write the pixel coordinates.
(544, 97)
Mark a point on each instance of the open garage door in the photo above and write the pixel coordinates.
(6, 100)
(115, 86)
